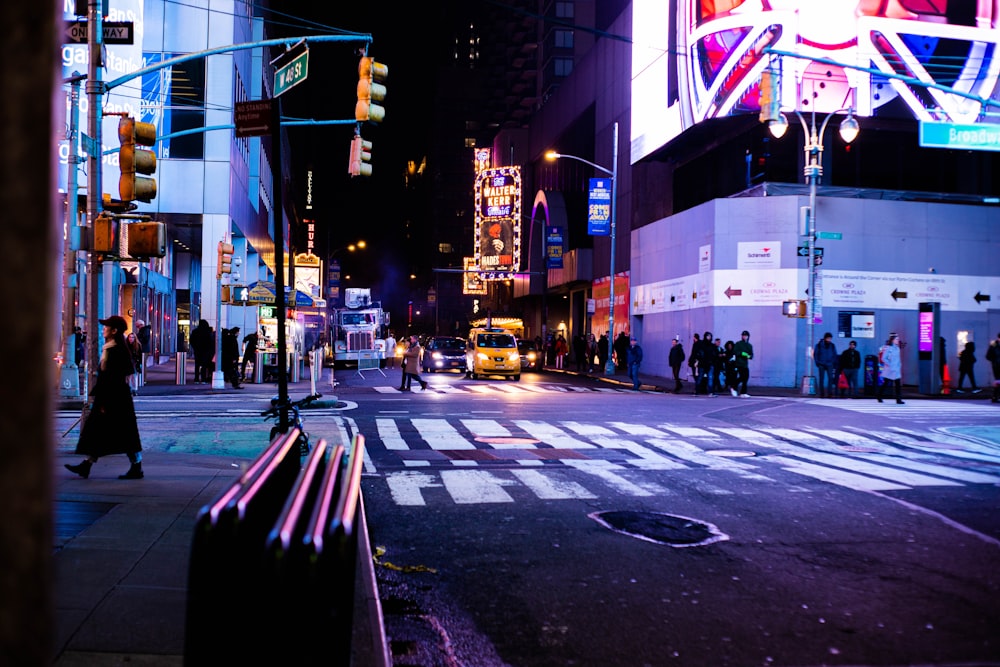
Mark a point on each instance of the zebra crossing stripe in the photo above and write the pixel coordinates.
(963, 451)
(688, 452)
(548, 487)
(439, 434)
(689, 431)
(486, 428)
(839, 477)
(475, 487)
(551, 435)
(406, 488)
(646, 459)
(388, 433)
(608, 473)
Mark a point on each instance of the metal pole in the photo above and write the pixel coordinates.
(95, 93)
(812, 171)
(277, 182)
(609, 368)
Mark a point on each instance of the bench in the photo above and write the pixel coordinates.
(273, 560)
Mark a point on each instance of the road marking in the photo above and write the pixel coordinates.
(548, 487)
(838, 477)
(608, 473)
(407, 487)
(439, 434)
(388, 433)
(486, 428)
(551, 435)
(475, 487)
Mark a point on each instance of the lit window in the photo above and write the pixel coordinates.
(444, 248)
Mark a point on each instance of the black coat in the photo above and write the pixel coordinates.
(111, 426)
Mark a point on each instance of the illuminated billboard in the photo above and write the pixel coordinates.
(497, 226)
(704, 60)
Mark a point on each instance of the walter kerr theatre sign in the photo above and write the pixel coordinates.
(498, 222)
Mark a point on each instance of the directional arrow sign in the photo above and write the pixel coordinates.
(730, 292)
(896, 294)
(255, 118)
(981, 297)
(120, 32)
(804, 251)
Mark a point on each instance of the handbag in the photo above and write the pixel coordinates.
(842, 381)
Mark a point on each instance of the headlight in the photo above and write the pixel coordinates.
(513, 356)
(481, 356)
(531, 356)
(437, 355)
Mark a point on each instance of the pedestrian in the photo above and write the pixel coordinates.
(111, 427)
(135, 350)
(743, 353)
(993, 356)
(411, 365)
(602, 352)
(825, 356)
(675, 359)
(249, 353)
(580, 353)
(79, 346)
(621, 345)
(693, 361)
(719, 367)
(203, 346)
(707, 357)
(729, 361)
(966, 363)
(144, 333)
(850, 362)
(634, 357)
(890, 365)
(562, 349)
(591, 353)
(231, 357)
(390, 351)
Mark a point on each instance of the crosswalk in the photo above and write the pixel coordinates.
(916, 409)
(506, 388)
(475, 460)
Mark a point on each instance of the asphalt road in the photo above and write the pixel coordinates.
(559, 521)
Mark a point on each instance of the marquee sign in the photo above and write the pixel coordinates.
(497, 226)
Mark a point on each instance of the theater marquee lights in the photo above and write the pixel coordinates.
(695, 60)
(498, 222)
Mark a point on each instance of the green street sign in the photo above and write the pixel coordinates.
(291, 74)
(833, 236)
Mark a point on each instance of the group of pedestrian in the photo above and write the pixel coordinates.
(837, 373)
(714, 367)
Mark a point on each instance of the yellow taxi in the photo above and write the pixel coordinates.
(492, 352)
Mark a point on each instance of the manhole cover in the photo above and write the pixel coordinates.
(731, 453)
(668, 529)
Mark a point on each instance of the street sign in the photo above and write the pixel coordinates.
(120, 32)
(833, 236)
(291, 74)
(254, 119)
(975, 137)
(804, 251)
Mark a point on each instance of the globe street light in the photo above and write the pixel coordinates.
(813, 171)
(609, 368)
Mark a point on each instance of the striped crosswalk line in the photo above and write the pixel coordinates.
(630, 459)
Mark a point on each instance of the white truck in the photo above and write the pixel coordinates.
(359, 328)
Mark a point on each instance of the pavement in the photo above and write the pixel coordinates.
(121, 548)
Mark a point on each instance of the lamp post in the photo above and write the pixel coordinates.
(813, 171)
(609, 368)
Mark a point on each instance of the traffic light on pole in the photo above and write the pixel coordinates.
(371, 89)
(132, 133)
(225, 264)
(770, 96)
(361, 155)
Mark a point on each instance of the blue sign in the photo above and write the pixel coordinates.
(554, 247)
(976, 137)
(599, 207)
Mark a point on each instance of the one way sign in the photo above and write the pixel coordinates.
(120, 32)
(804, 251)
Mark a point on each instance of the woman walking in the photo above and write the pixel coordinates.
(111, 426)
(891, 367)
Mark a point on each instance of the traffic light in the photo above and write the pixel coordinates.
(361, 155)
(770, 96)
(105, 234)
(132, 133)
(146, 239)
(794, 308)
(371, 76)
(225, 264)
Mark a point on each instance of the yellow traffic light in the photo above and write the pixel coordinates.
(361, 155)
(225, 264)
(371, 89)
(132, 133)
(146, 239)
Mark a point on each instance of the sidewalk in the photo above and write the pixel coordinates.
(122, 548)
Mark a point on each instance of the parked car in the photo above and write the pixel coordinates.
(531, 358)
(444, 353)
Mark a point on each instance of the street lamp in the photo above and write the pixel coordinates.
(609, 368)
(813, 171)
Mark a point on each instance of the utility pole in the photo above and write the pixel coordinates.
(94, 143)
